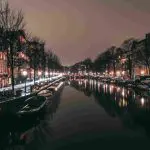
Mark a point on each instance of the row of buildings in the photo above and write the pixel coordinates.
(129, 60)
(21, 57)
(5, 73)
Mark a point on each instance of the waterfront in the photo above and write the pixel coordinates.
(86, 115)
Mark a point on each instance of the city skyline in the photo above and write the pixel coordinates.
(84, 28)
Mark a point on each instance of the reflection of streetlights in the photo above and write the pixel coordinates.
(142, 101)
(25, 73)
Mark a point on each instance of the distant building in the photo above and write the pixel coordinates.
(4, 70)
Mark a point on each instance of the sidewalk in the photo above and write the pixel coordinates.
(28, 83)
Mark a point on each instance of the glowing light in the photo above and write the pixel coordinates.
(142, 72)
(123, 93)
(24, 73)
(111, 88)
(85, 83)
(142, 101)
(124, 103)
(134, 95)
(111, 73)
(46, 73)
(39, 73)
(32, 72)
(118, 73)
(118, 89)
(123, 72)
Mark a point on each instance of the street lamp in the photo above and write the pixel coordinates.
(25, 73)
(46, 73)
(142, 72)
(118, 73)
(39, 73)
(123, 72)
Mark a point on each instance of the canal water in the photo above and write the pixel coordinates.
(87, 114)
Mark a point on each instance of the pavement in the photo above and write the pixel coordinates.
(29, 83)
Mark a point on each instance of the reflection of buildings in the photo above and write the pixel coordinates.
(131, 107)
(82, 85)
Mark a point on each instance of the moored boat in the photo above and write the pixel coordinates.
(32, 107)
(52, 92)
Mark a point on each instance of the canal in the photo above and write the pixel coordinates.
(87, 114)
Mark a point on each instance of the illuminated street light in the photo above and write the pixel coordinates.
(46, 73)
(142, 101)
(142, 72)
(39, 73)
(25, 73)
(123, 72)
(118, 73)
(111, 73)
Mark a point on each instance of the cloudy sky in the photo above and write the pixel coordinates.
(77, 29)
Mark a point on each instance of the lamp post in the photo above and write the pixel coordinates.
(24, 73)
(46, 74)
(39, 75)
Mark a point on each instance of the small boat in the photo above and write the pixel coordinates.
(33, 106)
(56, 86)
(51, 92)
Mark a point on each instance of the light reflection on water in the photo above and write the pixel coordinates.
(123, 100)
(29, 133)
(132, 107)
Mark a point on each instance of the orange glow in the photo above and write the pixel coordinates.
(142, 72)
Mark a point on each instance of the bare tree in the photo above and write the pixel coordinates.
(143, 52)
(11, 19)
(128, 48)
(12, 24)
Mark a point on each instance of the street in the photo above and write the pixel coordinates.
(29, 83)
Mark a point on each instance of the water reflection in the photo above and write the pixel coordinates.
(22, 134)
(131, 106)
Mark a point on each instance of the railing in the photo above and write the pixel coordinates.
(32, 94)
(13, 104)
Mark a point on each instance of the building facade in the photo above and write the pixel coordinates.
(4, 70)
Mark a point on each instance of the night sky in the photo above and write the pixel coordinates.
(77, 29)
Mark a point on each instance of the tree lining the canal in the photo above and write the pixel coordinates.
(130, 59)
(15, 40)
(12, 25)
(132, 55)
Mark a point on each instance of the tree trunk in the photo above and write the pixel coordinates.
(148, 70)
(12, 68)
(34, 70)
(130, 67)
(114, 68)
